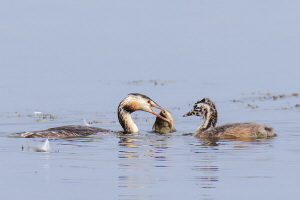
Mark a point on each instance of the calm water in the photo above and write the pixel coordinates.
(76, 60)
(151, 166)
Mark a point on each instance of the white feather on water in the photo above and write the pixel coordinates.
(44, 148)
(85, 123)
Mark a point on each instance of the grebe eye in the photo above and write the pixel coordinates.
(149, 101)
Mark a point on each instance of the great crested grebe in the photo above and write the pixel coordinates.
(133, 102)
(163, 126)
(207, 110)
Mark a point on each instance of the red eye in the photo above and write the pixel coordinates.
(149, 101)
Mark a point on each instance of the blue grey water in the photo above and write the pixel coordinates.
(76, 60)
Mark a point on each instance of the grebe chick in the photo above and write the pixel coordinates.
(207, 110)
(131, 103)
(162, 126)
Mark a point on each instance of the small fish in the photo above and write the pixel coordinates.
(162, 126)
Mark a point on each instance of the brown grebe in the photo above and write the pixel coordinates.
(162, 126)
(133, 102)
(207, 110)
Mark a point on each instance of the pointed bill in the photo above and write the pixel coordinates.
(188, 114)
(158, 115)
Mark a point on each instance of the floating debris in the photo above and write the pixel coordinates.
(235, 101)
(154, 82)
(37, 114)
(266, 96)
(41, 117)
(252, 106)
(18, 114)
(94, 122)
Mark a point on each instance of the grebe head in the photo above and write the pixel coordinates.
(136, 101)
(200, 108)
(206, 109)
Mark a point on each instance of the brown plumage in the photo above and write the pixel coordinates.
(207, 110)
(131, 103)
(65, 131)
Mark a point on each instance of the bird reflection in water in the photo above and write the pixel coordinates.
(149, 147)
(206, 164)
(140, 154)
(210, 175)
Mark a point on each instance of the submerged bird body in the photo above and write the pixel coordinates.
(162, 126)
(208, 129)
(132, 103)
(64, 131)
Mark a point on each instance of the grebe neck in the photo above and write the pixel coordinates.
(127, 123)
(210, 117)
(125, 118)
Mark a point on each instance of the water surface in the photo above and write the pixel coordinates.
(153, 166)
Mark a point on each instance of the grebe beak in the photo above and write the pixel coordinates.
(158, 115)
(188, 114)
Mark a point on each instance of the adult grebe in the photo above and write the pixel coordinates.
(133, 102)
(207, 110)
